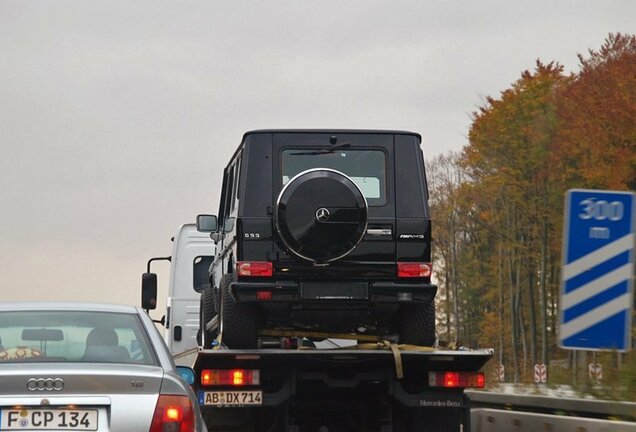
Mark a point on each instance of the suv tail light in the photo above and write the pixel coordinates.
(173, 414)
(254, 268)
(418, 270)
(456, 379)
(230, 377)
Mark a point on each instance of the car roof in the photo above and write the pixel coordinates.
(324, 131)
(336, 131)
(67, 306)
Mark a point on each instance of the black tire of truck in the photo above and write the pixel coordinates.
(416, 324)
(207, 312)
(241, 321)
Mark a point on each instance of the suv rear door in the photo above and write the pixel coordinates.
(366, 158)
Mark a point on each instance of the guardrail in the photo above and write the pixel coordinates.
(499, 412)
(491, 420)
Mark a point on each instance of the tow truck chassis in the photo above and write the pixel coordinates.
(328, 390)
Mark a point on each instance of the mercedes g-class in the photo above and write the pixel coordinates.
(321, 231)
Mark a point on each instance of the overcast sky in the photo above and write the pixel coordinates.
(116, 117)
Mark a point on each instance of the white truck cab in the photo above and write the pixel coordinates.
(192, 255)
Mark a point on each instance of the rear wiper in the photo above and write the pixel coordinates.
(326, 150)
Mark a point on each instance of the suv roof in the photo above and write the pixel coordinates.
(324, 131)
(336, 131)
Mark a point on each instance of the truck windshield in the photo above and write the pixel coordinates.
(73, 336)
(366, 168)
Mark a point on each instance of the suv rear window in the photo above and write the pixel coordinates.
(366, 168)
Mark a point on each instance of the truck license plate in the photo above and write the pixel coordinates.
(232, 398)
(48, 419)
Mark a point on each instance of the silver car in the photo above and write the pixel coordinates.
(90, 367)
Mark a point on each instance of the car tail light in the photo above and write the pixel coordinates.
(410, 269)
(230, 377)
(173, 414)
(456, 379)
(254, 268)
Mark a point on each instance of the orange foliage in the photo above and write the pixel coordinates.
(501, 216)
(595, 146)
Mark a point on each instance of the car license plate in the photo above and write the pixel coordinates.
(48, 419)
(232, 398)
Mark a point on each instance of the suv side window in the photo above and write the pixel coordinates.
(222, 215)
(227, 198)
(235, 187)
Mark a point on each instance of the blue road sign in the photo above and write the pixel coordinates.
(598, 270)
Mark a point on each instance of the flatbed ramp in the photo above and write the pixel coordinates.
(413, 361)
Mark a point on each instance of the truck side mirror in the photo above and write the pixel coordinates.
(149, 291)
(207, 223)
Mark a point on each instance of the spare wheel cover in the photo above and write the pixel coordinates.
(321, 215)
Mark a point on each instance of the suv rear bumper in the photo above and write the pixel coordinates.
(371, 292)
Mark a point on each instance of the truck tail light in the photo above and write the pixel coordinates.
(415, 270)
(173, 414)
(254, 268)
(264, 295)
(456, 379)
(230, 377)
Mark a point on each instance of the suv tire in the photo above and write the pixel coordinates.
(208, 311)
(241, 321)
(416, 324)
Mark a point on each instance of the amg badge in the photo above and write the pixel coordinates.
(412, 236)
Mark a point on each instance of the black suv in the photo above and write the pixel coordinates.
(323, 231)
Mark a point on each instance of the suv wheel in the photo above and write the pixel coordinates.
(208, 311)
(416, 324)
(241, 321)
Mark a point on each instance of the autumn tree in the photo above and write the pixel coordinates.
(506, 160)
(497, 207)
(444, 181)
(595, 145)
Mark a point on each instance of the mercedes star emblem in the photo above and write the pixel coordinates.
(322, 214)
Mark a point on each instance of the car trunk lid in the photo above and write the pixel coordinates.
(96, 397)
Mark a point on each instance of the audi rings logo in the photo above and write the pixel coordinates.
(322, 214)
(45, 384)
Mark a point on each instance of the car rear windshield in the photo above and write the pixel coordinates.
(72, 336)
(366, 168)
